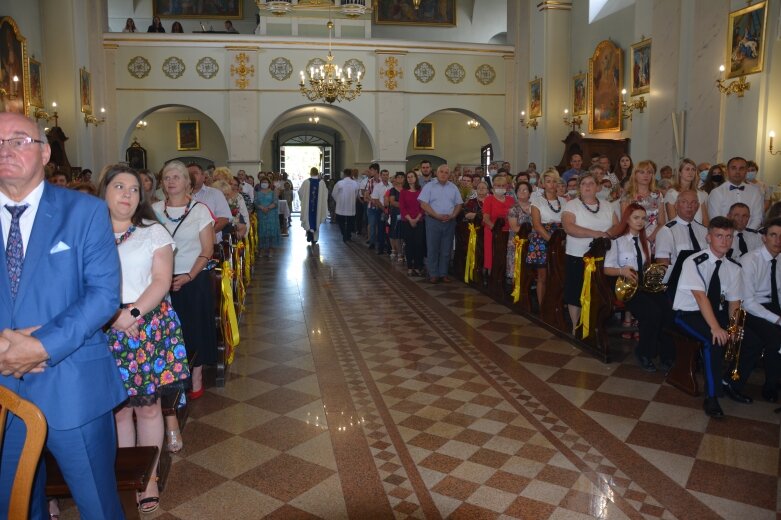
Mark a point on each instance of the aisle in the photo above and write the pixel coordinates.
(359, 392)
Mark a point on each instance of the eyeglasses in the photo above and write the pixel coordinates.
(17, 143)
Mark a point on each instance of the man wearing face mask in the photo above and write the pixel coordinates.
(702, 170)
(572, 188)
(735, 190)
(575, 163)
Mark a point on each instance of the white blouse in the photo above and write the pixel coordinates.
(602, 220)
(136, 254)
(188, 242)
(547, 207)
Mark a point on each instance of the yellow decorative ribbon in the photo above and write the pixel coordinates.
(469, 270)
(247, 262)
(230, 325)
(590, 265)
(519, 243)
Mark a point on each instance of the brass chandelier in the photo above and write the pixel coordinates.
(328, 81)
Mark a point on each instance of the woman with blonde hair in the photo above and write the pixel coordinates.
(546, 218)
(239, 213)
(222, 173)
(686, 179)
(642, 190)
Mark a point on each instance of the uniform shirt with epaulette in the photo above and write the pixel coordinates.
(674, 237)
(696, 274)
(751, 238)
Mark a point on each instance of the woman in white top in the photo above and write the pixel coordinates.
(687, 180)
(629, 254)
(584, 219)
(145, 336)
(546, 218)
(192, 227)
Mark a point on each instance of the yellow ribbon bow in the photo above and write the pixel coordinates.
(585, 294)
(469, 271)
(519, 243)
(230, 325)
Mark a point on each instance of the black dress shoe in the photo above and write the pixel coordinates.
(646, 364)
(309, 236)
(770, 394)
(736, 396)
(712, 408)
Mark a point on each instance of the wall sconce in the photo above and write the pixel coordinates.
(738, 87)
(89, 119)
(40, 113)
(772, 136)
(531, 123)
(574, 121)
(473, 124)
(141, 125)
(628, 108)
(314, 118)
(4, 94)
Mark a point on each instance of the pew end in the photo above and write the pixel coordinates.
(683, 373)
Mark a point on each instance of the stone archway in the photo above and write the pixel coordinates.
(453, 141)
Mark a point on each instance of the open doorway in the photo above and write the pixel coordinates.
(296, 159)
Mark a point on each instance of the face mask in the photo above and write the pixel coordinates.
(718, 178)
(264, 185)
(499, 191)
(750, 176)
(603, 194)
(572, 193)
(533, 181)
(658, 176)
(703, 175)
(492, 172)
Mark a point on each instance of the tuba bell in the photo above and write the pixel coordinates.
(653, 282)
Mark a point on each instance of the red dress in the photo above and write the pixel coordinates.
(495, 209)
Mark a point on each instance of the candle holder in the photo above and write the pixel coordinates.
(573, 121)
(737, 87)
(532, 123)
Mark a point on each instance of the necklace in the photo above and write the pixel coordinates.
(594, 211)
(186, 211)
(528, 205)
(125, 235)
(558, 210)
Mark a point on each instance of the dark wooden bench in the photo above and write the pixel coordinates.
(497, 286)
(602, 303)
(687, 352)
(527, 274)
(133, 469)
(552, 307)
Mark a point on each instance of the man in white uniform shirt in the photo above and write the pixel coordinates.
(345, 194)
(761, 283)
(746, 239)
(735, 190)
(682, 233)
(213, 198)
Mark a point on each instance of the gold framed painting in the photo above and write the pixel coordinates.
(85, 90)
(605, 69)
(188, 135)
(535, 98)
(580, 94)
(746, 40)
(36, 83)
(641, 67)
(13, 66)
(441, 13)
(423, 136)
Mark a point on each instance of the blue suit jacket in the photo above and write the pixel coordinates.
(70, 287)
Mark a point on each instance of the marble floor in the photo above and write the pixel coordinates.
(359, 392)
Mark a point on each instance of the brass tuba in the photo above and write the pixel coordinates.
(653, 282)
(732, 349)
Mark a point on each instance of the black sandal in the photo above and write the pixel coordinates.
(149, 504)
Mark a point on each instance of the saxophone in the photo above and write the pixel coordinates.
(732, 349)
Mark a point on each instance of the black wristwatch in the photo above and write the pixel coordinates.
(135, 312)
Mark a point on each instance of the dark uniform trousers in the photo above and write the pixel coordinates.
(654, 314)
(769, 336)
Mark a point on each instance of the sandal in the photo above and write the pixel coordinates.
(626, 325)
(173, 441)
(149, 504)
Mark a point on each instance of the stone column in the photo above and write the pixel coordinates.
(242, 133)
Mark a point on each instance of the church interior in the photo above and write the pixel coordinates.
(357, 391)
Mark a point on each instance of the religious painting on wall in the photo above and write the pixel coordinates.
(36, 83)
(746, 40)
(188, 135)
(402, 12)
(580, 94)
(535, 98)
(193, 9)
(604, 93)
(423, 136)
(641, 67)
(13, 55)
(85, 90)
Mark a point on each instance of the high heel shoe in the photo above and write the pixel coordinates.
(173, 441)
(197, 394)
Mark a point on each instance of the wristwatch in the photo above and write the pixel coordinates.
(135, 312)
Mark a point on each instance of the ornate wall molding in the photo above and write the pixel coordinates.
(424, 72)
(485, 74)
(391, 72)
(173, 67)
(207, 67)
(280, 68)
(455, 73)
(356, 65)
(241, 71)
(139, 67)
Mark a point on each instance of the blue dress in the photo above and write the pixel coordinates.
(268, 223)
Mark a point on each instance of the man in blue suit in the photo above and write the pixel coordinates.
(59, 284)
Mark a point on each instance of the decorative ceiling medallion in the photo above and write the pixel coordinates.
(455, 73)
(315, 63)
(139, 67)
(280, 68)
(242, 70)
(485, 74)
(356, 66)
(173, 67)
(391, 72)
(424, 72)
(207, 67)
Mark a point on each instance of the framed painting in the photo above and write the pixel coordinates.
(746, 40)
(188, 135)
(423, 136)
(13, 61)
(580, 94)
(604, 93)
(85, 90)
(36, 83)
(535, 98)
(641, 67)
(401, 12)
(190, 9)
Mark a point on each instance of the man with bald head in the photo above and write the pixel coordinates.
(441, 202)
(59, 284)
(680, 237)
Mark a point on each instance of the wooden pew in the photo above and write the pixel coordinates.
(459, 254)
(552, 307)
(687, 352)
(133, 468)
(496, 278)
(602, 303)
(527, 273)
(223, 252)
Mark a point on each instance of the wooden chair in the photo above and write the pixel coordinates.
(35, 423)
(552, 305)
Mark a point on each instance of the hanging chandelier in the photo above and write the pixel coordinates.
(314, 118)
(328, 81)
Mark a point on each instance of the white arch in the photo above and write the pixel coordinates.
(484, 123)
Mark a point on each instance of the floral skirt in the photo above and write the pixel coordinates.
(153, 360)
(538, 247)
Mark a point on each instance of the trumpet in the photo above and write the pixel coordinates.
(732, 349)
(653, 276)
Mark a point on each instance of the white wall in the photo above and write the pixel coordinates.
(453, 140)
